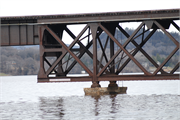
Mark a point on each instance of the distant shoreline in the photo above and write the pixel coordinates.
(3, 74)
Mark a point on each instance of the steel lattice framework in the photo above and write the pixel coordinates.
(52, 28)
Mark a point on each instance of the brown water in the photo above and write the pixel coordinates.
(21, 97)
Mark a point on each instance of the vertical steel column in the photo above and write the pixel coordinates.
(112, 69)
(94, 27)
(112, 28)
(41, 73)
(60, 71)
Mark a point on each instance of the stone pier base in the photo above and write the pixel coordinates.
(105, 90)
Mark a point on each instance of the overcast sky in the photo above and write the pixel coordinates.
(44, 7)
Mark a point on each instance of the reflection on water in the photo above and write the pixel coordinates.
(96, 105)
(79, 107)
(113, 100)
(111, 107)
(125, 107)
(51, 108)
(22, 98)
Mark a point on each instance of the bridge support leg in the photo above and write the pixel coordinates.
(94, 27)
(111, 27)
(95, 84)
(41, 73)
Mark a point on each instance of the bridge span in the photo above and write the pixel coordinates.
(47, 31)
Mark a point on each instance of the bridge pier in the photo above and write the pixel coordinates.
(105, 91)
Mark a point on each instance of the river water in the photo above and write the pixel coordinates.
(22, 98)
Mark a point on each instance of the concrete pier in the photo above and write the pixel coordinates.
(105, 90)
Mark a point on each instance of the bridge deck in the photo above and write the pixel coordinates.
(93, 17)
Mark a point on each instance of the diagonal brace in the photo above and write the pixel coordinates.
(68, 48)
(132, 58)
(139, 48)
(172, 53)
(124, 45)
(82, 46)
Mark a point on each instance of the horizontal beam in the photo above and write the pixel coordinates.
(53, 50)
(124, 17)
(139, 77)
(94, 17)
(111, 78)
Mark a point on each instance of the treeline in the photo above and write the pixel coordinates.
(25, 60)
(19, 60)
(158, 43)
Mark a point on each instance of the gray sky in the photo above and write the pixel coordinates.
(44, 7)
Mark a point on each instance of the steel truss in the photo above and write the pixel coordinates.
(51, 44)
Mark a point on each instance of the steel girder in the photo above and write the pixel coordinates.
(110, 69)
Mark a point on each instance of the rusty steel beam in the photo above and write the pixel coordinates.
(138, 77)
(167, 33)
(94, 28)
(172, 53)
(82, 52)
(136, 51)
(82, 47)
(112, 78)
(112, 29)
(176, 26)
(49, 64)
(175, 68)
(117, 53)
(41, 73)
(65, 52)
(166, 60)
(139, 47)
(103, 50)
(132, 58)
(68, 48)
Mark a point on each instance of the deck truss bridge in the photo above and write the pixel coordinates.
(100, 40)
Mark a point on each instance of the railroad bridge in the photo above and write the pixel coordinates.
(47, 31)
